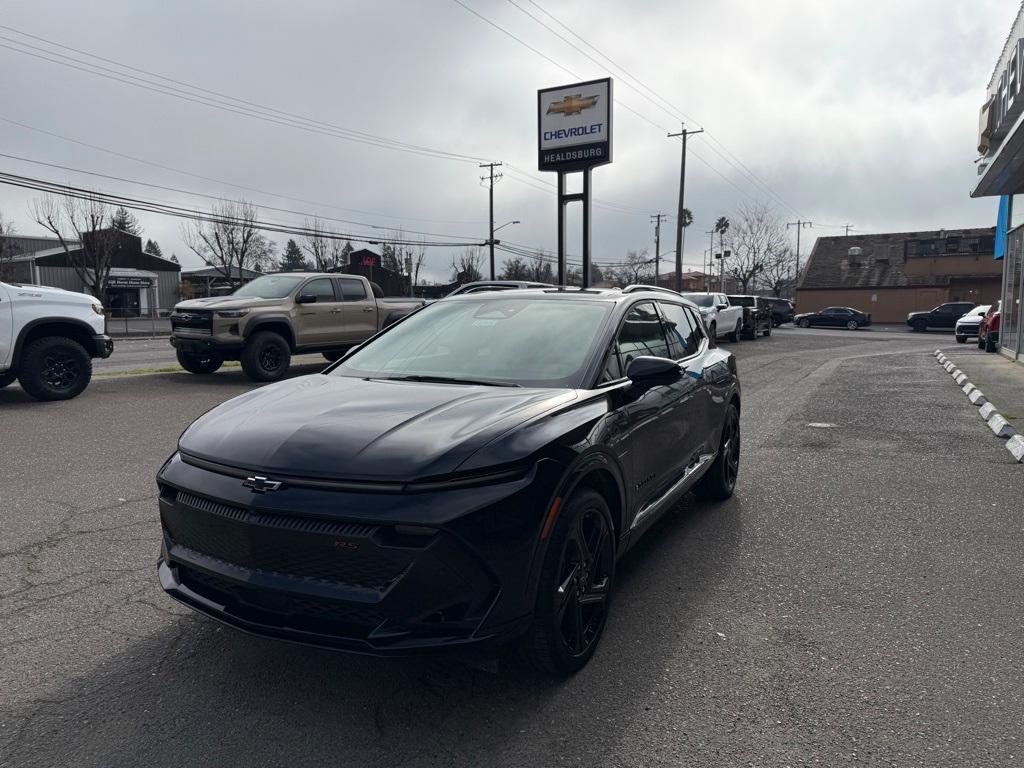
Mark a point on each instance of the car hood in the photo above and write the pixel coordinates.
(224, 302)
(912, 315)
(45, 291)
(338, 427)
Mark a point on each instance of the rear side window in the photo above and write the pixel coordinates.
(352, 290)
(642, 334)
(681, 331)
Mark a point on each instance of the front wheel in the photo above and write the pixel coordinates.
(852, 325)
(199, 364)
(981, 342)
(7, 378)
(990, 344)
(805, 323)
(961, 339)
(55, 368)
(734, 337)
(719, 481)
(575, 587)
(919, 326)
(266, 356)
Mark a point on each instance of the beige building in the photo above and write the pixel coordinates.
(890, 275)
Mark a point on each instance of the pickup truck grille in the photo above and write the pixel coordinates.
(195, 321)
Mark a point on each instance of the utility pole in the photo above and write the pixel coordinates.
(799, 225)
(711, 259)
(491, 178)
(657, 219)
(848, 227)
(679, 213)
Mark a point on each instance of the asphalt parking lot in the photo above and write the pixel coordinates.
(858, 601)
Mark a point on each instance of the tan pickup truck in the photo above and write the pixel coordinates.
(265, 322)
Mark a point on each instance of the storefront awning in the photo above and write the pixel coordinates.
(1004, 171)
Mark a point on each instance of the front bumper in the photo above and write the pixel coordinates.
(206, 345)
(383, 574)
(102, 346)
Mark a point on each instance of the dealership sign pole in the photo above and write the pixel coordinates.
(574, 134)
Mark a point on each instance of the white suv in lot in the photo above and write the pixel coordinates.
(720, 317)
(48, 338)
(967, 326)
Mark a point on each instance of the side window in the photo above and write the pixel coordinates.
(642, 334)
(352, 290)
(321, 288)
(682, 334)
(613, 366)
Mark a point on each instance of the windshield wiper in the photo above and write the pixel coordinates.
(448, 380)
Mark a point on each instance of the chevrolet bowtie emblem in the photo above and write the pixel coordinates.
(261, 484)
(572, 105)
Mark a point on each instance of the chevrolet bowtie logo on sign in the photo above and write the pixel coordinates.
(572, 105)
(575, 126)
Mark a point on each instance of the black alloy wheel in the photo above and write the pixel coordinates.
(55, 368)
(199, 364)
(719, 482)
(804, 323)
(919, 326)
(961, 339)
(266, 356)
(575, 586)
(852, 325)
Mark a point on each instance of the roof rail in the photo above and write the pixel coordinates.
(641, 287)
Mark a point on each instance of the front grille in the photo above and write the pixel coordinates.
(194, 321)
(307, 613)
(292, 545)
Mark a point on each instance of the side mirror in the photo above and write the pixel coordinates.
(306, 298)
(646, 367)
(722, 306)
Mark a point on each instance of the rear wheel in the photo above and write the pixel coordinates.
(767, 331)
(266, 356)
(735, 335)
(575, 587)
(199, 364)
(852, 325)
(55, 368)
(719, 481)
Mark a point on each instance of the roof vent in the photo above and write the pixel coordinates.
(855, 251)
(853, 257)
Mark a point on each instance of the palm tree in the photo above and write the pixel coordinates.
(721, 227)
(684, 221)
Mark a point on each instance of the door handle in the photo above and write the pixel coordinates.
(367, 309)
(335, 311)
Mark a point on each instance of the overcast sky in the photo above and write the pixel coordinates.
(843, 112)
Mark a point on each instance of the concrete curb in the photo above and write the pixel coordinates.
(1000, 426)
(996, 421)
(1015, 445)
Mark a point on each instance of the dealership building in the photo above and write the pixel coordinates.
(1001, 175)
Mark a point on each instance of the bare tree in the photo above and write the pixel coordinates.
(318, 244)
(230, 242)
(7, 248)
(418, 258)
(540, 269)
(759, 236)
(779, 273)
(83, 228)
(638, 268)
(466, 265)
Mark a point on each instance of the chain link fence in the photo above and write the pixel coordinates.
(133, 322)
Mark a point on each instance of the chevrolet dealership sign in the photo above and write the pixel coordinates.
(575, 126)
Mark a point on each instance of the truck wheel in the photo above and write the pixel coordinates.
(266, 356)
(713, 332)
(734, 337)
(199, 363)
(7, 378)
(55, 368)
(767, 331)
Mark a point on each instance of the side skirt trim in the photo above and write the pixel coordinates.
(689, 476)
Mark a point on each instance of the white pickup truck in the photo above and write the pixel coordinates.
(48, 338)
(720, 316)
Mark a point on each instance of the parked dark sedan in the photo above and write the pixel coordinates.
(836, 317)
(468, 477)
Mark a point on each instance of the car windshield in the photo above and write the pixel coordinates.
(700, 299)
(978, 311)
(742, 301)
(498, 339)
(269, 287)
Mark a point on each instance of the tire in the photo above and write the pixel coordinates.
(713, 332)
(767, 331)
(734, 337)
(981, 342)
(199, 364)
(266, 356)
(332, 356)
(919, 326)
(55, 368)
(575, 587)
(990, 345)
(8, 378)
(805, 323)
(961, 339)
(719, 481)
(852, 325)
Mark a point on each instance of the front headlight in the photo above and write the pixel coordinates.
(97, 308)
(231, 313)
